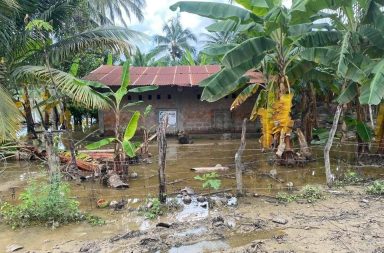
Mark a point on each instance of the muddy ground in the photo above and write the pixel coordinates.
(347, 220)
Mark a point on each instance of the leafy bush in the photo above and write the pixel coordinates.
(285, 197)
(376, 188)
(350, 178)
(309, 192)
(153, 208)
(43, 203)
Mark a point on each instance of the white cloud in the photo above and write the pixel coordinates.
(157, 13)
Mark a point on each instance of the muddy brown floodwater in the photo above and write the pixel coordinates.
(341, 223)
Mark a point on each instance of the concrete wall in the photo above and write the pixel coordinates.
(193, 115)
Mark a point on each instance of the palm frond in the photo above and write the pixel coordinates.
(116, 39)
(80, 91)
(10, 117)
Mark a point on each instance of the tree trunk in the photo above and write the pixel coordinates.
(362, 147)
(119, 157)
(162, 146)
(52, 158)
(327, 162)
(304, 149)
(239, 164)
(28, 115)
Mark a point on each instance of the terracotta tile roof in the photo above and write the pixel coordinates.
(162, 76)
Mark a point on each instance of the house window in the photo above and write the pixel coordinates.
(149, 97)
(169, 96)
(140, 97)
(158, 97)
(129, 97)
(198, 96)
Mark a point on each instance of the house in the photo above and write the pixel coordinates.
(179, 96)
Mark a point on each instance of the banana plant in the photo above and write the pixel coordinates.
(272, 48)
(123, 144)
(355, 54)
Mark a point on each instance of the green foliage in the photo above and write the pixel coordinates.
(285, 197)
(43, 203)
(376, 188)
(349, 178)
(39, 25)
(94, 220)
(99, 144)
(363, 131)
(153, 208)
(210, 180)
(310, 193)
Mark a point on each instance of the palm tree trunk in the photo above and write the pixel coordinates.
(28, 114)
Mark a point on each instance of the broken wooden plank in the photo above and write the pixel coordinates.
(218, 167)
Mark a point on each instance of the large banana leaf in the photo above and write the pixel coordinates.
(100, 143)
(259, 7)
(244, 95)
(246, 51)
(125, 79)
(132, 126)
(375, 36)
(218, 50)
(222, 26)
(373, 92)
(228, 80)
(348, 94)
(320, 39)
(212, 10)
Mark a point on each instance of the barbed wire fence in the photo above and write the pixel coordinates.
(180, 159)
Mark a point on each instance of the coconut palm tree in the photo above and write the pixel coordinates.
(219, 38)
(29, 53)
(175, 40)
(108, 12)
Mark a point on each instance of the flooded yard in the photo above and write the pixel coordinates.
(192, 228)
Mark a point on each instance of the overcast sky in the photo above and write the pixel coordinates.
(157, 13)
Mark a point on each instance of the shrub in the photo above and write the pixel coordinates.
(44, 203)
(376, 188)
(309, 192)
(285, 197)
(153, 208)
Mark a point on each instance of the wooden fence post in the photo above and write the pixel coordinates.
(162, 145)
(239, 164)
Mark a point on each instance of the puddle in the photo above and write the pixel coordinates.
(204, 246)
(192, 211)
(192, 231)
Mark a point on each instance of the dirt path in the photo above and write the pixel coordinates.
(346, 221)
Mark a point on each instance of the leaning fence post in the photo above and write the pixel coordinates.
(162, 145)
(239, 164)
